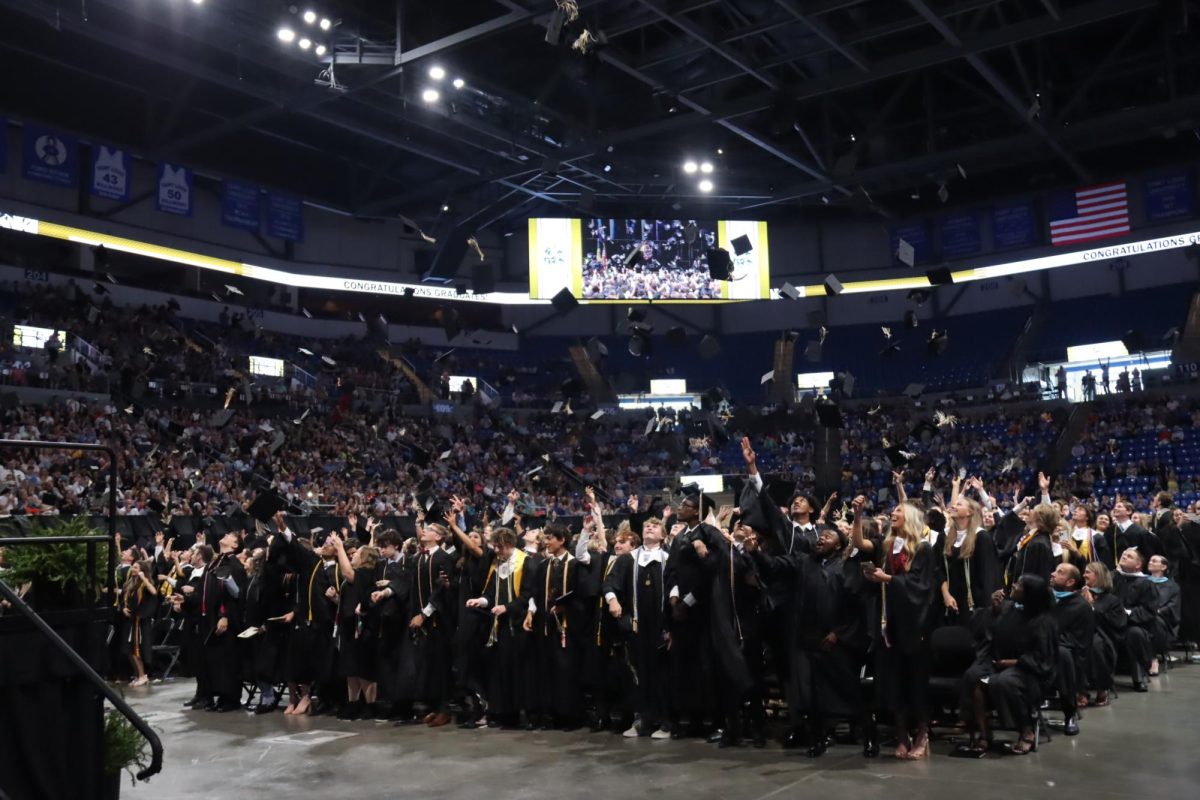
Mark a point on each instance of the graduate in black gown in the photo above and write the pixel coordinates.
(267, 601)
(431, 602)
(554, 619)
(1165, 627)
(971, 565)
(1076, 627)
(186, 603)
(1015, 662)
(899, 595)
(357, 629)
(630, 630)
(508, 587)
(310, 643)
(1111, 624)
(139, 602)
(602, 646)
(220, 622)
(1133, 588)
(1132, 534)
(389, 596)
(1034, 553)
(470, 632)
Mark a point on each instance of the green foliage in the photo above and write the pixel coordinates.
(60, 565)
(124, 747)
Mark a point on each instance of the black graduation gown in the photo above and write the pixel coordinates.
(136, 630)
(395, 671)
(310, 644)
(557, 632)
(471, 632)
(507, 674)
(266, 599)
(899, 624)
(1035, 558)
(1136, 536)
(983, 571)
(640, 591)
(1167, 612)
(825, 597)
(595, 622)
(219, 601)
(432, 643)
(1014, 691)
(358, 626)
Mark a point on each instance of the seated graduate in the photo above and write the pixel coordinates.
(1076, 627)
(1016, 660)
(1111, 624)
(1138, 598)
(1165, 627)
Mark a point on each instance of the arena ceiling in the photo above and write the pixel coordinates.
(836, 106)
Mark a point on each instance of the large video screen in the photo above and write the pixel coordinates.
(640, 260)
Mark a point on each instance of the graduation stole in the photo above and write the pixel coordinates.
(1020, 546)
(1085, 545)
(612, 560)
(966, 571)
(562, 624)
(514, 581)
(166, 589)
(312, 579)
(429, 574)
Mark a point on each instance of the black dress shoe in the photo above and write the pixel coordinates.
(195, 701)
(1141, 686)
(816, 749)
(468, 725)
(225, 708)
(870, 748)
(676, 733)
(716, 736)
(599, 725)
(793, 740)
(727, 740)
(209, 706)
(266, 708)
(1071, 728)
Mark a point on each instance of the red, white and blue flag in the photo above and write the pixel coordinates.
(1088, 214)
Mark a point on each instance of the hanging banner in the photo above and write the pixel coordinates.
(174, 190)
(50, 157)
(1014, 225)
(960, 235)
(110, 173)
(285, 217)
(1170, 197)
(240, 207)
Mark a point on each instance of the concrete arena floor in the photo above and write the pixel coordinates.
(1143, 745)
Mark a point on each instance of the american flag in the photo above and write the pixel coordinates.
(1091, 213)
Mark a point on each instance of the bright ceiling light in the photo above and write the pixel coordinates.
(690, 167)
(436, 72)
(445, 208)
(706, 167)
(310, 17)
(304, 44)
(286, 34)
(320, 50)
(459, 83)
(325, 23)
(197, 2)
(706, 185)
(430, 95)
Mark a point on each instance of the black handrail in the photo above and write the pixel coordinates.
(156, 750)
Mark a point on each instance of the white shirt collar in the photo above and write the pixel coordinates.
(646, 557)
(959, 538)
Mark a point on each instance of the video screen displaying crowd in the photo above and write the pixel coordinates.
(634, 259)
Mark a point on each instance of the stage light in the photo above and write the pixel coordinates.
(325, 23)
(459, 83)
(436, 72)
(608, 167)
(197, 2)
(320, 50)
(690, 167)
(430, 95)
(706, 185)
(286, 34)
(706, 167)
(304, 44)
(310, 17)
(445, 208)
(720, 151)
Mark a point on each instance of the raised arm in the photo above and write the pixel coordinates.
(898, 480)
(452, 522)
(342, 558)
(863, 544)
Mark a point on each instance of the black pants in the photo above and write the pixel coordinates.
(1138, 648)
(1068, 674)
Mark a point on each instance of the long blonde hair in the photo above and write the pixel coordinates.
(912, 532)
(974, 523)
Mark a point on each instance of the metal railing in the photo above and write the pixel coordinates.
(156, 749)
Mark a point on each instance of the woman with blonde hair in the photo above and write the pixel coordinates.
(357, 629)
(899, 596)
(971, 564)
(1035, 551)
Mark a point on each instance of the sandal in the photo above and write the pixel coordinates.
(1022, 746)
(920, 748)
(1101, 700)
(902, 746)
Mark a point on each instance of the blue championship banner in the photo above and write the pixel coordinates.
(240, 206)
(285, 217)
(960, 235)
(917, 235)
(50, 157)
(1170, 197)
(1014, 225)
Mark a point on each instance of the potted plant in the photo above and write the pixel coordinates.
(123, 749)
(58, 573)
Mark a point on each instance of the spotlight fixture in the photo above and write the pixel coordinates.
(286, 34)
(325, 24)
(706, 185)
(430, 95)
(690, 167)
(320, 50)
(445, 208)
(197, 2)
(459, 83)
(720, 151)
(706, 167)
(304, 43)
(310, 17)
(436, 72)
(608, 167)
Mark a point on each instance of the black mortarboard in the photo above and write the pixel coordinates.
(635, 314)
(677, 336)
(564, 301)
(596, 349)
(812, 351)
(709, 347)
(266, 505)
(833, 285)
(829, 415)
(897, 456)
(720, 265)
(692, 491)
(923, 427)
(156, 505)
(939, 277)
(891, 349)
(741, 245)
(938, 342)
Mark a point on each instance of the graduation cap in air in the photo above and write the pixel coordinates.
(923, 428)
(720, 265)
(564, 302)
(416, 454)
(266, 504)
(789, 292)
(156, 505)
(306, 313)
(829, 415)
(676, 336)
(709, 347)
(741, 245)
(328, 361)
(938, 342)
